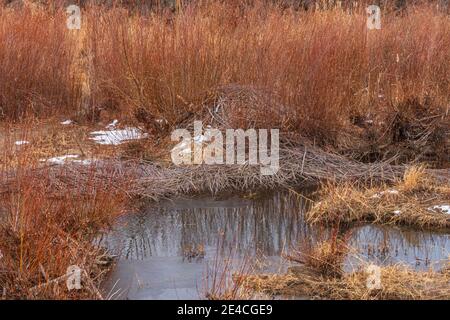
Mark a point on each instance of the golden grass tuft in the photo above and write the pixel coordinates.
(414, 179)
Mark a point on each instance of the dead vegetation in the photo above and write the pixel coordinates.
(299, 165)
(412, 201)
(317, 73)
(326, 256)
(48, 225)
(412, 132)
(220, 281)
(320, 275)
(353, 107)
(398, 283)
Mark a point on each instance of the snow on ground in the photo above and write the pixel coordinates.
(445, 208)
(73, 158)
(66, 122)
(85, 162)
(112, 125)
(61, 159)
(21, 142)
(116, 137)
(390, 191)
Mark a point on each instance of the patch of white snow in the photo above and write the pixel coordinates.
(61, 159)
(445, 208)
(72, 158)
(21, 142)
(112, 125)
(116, 137)
(390, 191)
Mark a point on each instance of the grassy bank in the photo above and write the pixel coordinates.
(416, 200)
(399, 283)
(320, 270)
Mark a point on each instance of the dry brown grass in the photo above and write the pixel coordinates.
(35, 59)
(397, 283)
(48, 224)
(407, 202)
(317, 69)
(49, 138)
(320, 275)
(325, 257)
(316, 72)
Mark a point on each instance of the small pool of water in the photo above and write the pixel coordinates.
(167, 251)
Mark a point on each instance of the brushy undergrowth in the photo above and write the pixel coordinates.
(321, 276)
(412, 201)
(319, 73)
(326, 256)
(46, 226)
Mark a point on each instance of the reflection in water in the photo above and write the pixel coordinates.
(387, 245)
(263, 226)
(163, 252)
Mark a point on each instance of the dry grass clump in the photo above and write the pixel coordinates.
(326, 257)
(414, 179)
(397, 283)
(410, 201)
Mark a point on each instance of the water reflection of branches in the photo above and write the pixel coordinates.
(264, 227)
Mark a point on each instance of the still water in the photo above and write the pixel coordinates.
(168, 250)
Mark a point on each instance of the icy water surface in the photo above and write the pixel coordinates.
(168, 251)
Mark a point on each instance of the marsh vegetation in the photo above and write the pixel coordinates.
(86, 117)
